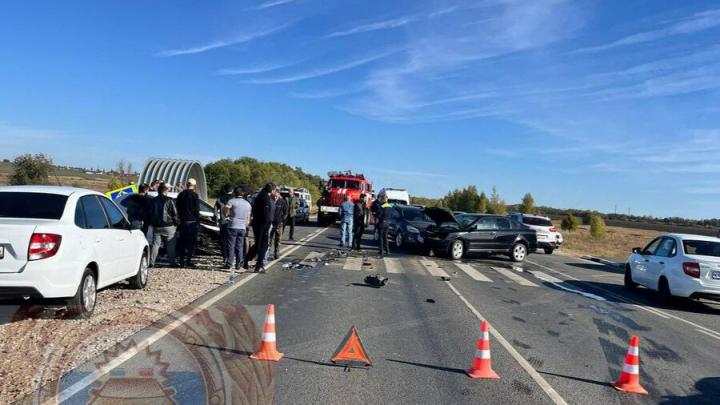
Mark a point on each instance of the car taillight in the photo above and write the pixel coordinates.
(692, 269)
(553, 229)
(43, 245)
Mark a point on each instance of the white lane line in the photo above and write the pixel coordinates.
(549, 390)
(632, 302)
(353, 263)
(433, 268)
(474, 274)
(708, 333)
(545, 277)
(514, 277)
(128, 354)
(393, 265)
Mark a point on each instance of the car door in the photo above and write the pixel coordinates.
(126, 249)
(641, 263)
(505, 236)
(97, 226)
(482, 236)
(660, 259)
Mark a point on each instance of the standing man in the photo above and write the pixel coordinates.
(292, 206)
(238, 210)
(386, 212)
(346, 222)
(138, 207)
(278, 224)
(226, 194)
(188, 207)
(262, 214)
(359, 211)
(154, 185)
(164, 219)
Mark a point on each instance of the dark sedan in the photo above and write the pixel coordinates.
(478, 233)
(407, 225)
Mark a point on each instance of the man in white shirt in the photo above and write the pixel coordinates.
(237, 210)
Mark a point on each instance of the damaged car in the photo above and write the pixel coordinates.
(478, 233)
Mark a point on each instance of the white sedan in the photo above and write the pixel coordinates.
(677, 265)
(62, 242)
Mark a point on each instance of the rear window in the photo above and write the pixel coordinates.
(32, 205)
(702, 248)
(537, 221)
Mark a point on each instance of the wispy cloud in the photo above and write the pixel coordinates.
(236, 40)
(324, 71)
(697, 22)
(273, 3)
(380, 25)
(331, 93)
(251, 70)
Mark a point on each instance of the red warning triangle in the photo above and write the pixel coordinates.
(351, 351)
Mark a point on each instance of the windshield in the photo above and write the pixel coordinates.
(32, 205)
(414, 215)
(537, 221)
(353, 184)
(702, 248)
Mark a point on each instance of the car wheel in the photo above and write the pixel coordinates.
(549, 251)
(140, 279)
(457, 249)
(82, 304)
(518, 253)
(664, 290)
(398, 239)
(629, 283)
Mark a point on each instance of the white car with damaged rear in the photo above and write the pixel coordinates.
(63, 243)
(677, 265)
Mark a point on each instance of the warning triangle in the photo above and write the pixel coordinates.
(351, 351)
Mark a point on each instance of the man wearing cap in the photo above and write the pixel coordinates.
(188, 207)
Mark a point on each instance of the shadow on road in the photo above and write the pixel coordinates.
(708, 393)
(584, 380)
(596, 267)
(430, 366)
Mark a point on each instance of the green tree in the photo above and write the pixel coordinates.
(569, 223)
(31, 169)
(597, 227)
(528, 204)
(484, 203)
(466, 200)
(114, 183)
(497, 205)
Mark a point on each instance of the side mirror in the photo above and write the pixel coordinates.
(637, 250)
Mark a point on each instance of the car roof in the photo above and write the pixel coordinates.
(684, 236)
(60, 190)
(530, 216)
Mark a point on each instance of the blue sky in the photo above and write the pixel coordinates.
(586, 104)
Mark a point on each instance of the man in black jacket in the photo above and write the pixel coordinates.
(262, 216)
(188, 207)
(137, 207)
(226, 194)
(359, 212)
(278, 223)
(164, 219)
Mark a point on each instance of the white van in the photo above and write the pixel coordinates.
(396, 195)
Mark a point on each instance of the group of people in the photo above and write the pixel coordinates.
(266, 217)
(174, 222)
(352, 221)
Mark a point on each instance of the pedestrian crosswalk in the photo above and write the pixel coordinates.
(420, 265)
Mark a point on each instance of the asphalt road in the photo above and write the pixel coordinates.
(561, 328)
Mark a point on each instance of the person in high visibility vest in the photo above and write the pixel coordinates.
(386, 212)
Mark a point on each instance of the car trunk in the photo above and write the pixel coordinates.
(708, 266)
(15, 240)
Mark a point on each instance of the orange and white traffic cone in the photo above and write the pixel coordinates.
(268, 349)
(481, 367)
(629, 380)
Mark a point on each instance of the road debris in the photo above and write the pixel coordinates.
(376, 281)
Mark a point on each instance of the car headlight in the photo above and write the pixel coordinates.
(412, 229)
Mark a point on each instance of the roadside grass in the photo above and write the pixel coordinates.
(616, 245)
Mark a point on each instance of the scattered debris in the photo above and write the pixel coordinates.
(445, 278)
(376, 280)
(430, 300)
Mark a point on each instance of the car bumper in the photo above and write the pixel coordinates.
(552, 245)
(436, 243)
(694, 288)
(48, 278)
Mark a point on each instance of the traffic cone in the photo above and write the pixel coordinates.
(629, 380)
(268, 349)
(481, 367)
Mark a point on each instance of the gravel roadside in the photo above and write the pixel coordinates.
(37, 346)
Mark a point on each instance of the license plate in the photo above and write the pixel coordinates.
(716, 275)
(2, 252)
(329, 209)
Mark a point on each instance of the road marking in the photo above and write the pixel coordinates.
(514, 277)
(474, 274)
(393, 265)
(433, 268)
(545, 277)
(708, 333)
(128, 354)
(307, 261)
(549, 390)
(632, 302)
(353, 263)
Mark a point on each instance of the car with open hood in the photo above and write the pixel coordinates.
(478, 233)
(407, 226)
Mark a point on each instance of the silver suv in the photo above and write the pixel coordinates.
(548, 237)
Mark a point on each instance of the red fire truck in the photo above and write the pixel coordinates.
(339, 185)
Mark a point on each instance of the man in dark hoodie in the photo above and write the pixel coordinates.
(164, 219)
(188, 207)
(278, 223)
(138, 207)
(263, 210)
(359, 212)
